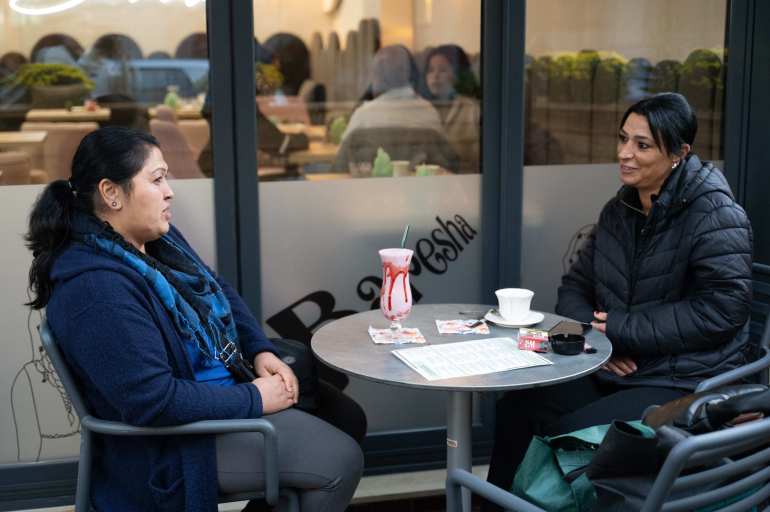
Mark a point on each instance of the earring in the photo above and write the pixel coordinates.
(673, 165)
(114, 204)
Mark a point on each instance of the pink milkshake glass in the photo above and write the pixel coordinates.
(396, 294)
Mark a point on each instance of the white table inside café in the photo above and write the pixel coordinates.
(346, 346)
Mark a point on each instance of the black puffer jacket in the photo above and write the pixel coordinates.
(677, 295)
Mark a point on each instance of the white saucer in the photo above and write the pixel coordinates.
(534, 317)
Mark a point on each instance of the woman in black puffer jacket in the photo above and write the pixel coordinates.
(666, 275)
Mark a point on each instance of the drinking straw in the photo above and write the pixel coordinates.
(403, 238)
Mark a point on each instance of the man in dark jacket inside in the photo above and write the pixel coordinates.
(666, 275)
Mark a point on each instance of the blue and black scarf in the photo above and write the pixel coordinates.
(201, 312)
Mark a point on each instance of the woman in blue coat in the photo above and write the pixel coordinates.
(146, 326)
(666, 275)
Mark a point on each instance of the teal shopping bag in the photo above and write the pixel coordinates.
(550, 476)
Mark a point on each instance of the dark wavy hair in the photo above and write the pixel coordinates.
(671, 118)
(113, 153)
(293, 59)
(465, 81)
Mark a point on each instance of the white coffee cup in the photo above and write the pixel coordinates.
(513, 303)
(400, 168)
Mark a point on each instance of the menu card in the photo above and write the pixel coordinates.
(466, 358)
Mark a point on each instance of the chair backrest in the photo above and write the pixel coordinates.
(728, 466)
(62, 369)
(194, 46)
(417, 145)
(165, 113)
(196, 132)
(178, 155)
(117, 47)
(764, 339)
(60, 145)
(125, 111)
(14, 168)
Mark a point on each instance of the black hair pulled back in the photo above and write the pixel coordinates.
(671, 119)
(113, 153)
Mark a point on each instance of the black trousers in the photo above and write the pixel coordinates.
(341, 411)
(559, 409)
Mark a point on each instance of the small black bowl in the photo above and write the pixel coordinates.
(568, 344)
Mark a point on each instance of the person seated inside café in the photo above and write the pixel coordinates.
(452, 88)
(395, 102)
(292, 59)
(270, 139)
(107, 73)
(665, 275)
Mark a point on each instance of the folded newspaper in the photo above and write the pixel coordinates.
(467, 358)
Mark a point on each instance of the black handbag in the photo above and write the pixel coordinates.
(697, 413)
(711, 410)
(295, 354)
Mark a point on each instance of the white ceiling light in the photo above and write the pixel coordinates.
(40, 11)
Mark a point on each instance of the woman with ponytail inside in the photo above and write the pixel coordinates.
(145, 326)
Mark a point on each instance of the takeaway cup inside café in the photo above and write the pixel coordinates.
(360, 169)
(513, 303)
(427, 170)
(400, 168)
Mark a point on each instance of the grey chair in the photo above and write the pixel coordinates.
(762, 363)
(89, 425)
(717, 463)
(719, 474)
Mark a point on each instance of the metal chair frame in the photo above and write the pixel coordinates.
(744, 371)
(711, 450)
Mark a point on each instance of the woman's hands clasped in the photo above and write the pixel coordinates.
(276, 383)
(619, 365)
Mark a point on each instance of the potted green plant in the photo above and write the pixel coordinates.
(268, 78)
(54, 85)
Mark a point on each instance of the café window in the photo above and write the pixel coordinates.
(64, 72)
(369, 119)
(587, 62)
(68, 68)
(365, 89)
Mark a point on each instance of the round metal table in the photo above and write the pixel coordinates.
(346, 346)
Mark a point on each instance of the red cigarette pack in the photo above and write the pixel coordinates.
(533, 339)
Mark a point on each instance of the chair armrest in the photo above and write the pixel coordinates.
(458, 478)
(117, 428)
(39, 177)
(200, 428)
(736, 374)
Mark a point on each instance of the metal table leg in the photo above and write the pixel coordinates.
(459, 439)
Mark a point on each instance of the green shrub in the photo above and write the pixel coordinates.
(268, 78)
(38, 74)
(702, 68)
